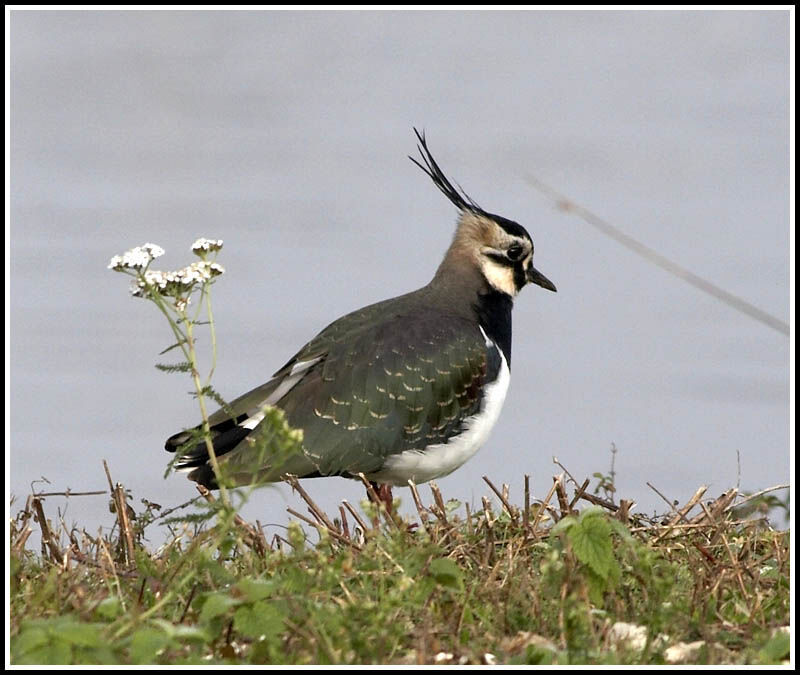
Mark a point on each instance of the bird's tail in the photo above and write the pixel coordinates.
(193, 451)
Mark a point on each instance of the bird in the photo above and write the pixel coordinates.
(407, 389)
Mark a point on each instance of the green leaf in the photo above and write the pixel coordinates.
(146, 643)
(447, 573)
(777, 649)
(182, 367)
(563, 525)
(596, 587)
(621, 530)
(593, 512)
(80, 634)
(171, 347)
(195, 633)
(110, 608)
(38, 645)
(28, 641)
(591, 542)
(452, 505)
(538, 656)
(55, 652)
(614, 573)
(253, 590)
(216, 604)
(178, 630)
(259, 619)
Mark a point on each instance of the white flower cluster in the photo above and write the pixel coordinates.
(177, 284)
(204, 245)
(137, 258)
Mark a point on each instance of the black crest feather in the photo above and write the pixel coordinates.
(460, 198)
(456, 195)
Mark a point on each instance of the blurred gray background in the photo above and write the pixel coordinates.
(286, 135)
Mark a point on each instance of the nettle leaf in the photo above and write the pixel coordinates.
(593, 512)
(596, 586)
(591, 542)
(259, 619)
(196, 633)
(146, 643)
(41, 641)
(28, 643)
(621, 530)
(564, 525)
(110, 608)
(447, 573)
(80, 634)
(181, 632)
(216, 604)
(253, 590)
(55, 652)
(777, 649)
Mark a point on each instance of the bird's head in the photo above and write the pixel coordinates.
(500, 248)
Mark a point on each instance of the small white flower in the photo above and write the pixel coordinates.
(156, 278)
(137, 258)
(154, 250)
(176, 284)
(197, 271)
(202, 270)
(207, 245)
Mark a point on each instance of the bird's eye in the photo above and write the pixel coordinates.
(515, 252)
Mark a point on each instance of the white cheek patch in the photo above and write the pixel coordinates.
(499, 276)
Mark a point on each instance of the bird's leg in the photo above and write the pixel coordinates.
(384, 492)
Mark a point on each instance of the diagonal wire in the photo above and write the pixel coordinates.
(566, 204)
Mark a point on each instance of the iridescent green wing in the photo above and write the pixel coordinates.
(381, 389)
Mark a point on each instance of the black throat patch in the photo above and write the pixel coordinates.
(493, 309)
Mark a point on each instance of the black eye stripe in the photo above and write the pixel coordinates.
(504, 259)
(501, 258)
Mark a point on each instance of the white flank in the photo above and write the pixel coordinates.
(439, 460)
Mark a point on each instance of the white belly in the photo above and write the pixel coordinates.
(439, 460)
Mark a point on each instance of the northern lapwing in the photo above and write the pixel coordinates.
(407, 388)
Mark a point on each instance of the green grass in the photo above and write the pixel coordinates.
(495, 584)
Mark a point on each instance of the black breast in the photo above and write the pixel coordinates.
(493, 310)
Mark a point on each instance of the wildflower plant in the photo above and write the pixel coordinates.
(184, 298)
(172, 292)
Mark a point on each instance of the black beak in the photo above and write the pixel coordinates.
(536, 277)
